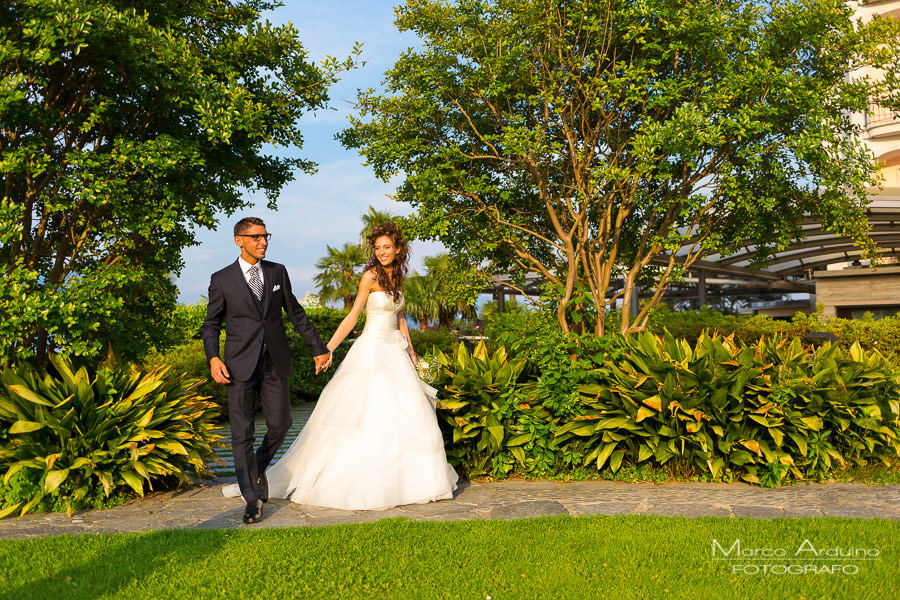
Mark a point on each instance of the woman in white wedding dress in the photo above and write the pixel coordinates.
(373, 440)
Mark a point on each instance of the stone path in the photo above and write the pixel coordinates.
(203, 506)
(299, 415)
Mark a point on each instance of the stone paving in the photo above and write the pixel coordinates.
(204, 506)
(299, 416)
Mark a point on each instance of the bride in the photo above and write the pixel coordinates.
(373, 440)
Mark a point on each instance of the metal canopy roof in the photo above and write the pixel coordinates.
(818, 249)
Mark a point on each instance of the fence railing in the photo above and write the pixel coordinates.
(879, 115)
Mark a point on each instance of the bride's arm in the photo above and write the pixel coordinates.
(349, 322)
(404, 330)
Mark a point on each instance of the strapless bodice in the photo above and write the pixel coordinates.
(381, 313)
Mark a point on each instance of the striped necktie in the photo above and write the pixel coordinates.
(255, 282)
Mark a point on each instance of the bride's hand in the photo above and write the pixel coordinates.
(413, 358)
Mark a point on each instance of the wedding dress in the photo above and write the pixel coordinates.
(373, 440)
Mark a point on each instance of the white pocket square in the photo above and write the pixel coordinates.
(276, 288)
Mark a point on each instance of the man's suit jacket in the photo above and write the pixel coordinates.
(250, 323)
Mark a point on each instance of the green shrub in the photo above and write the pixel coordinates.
(305, 384)
(186, 323)
(689, 325)
(476, 400)
(768, 412)
(189, 359)
(882, 334)
(73, 432)
(425, 342)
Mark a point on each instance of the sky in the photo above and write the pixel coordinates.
(323, 209)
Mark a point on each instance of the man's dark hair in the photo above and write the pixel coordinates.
(246, 223)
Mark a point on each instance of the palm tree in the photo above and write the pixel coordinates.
(420, 299)
(339, 272)
(427, 295)
(372, 219)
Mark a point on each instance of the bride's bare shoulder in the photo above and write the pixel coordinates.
(369, 279)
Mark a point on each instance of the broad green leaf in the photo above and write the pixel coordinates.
(24, 392)
(54, 479)
(25, 427)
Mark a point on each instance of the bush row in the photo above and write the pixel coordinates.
(882, 334)
(766, 412)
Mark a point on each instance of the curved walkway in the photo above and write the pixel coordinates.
(204, 506)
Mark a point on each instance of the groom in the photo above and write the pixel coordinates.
(249, 295)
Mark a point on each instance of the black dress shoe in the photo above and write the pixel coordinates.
(263, 487)
(253, 512)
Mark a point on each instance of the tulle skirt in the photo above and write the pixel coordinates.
(372, 441)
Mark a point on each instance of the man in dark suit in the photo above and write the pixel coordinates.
(249, 295)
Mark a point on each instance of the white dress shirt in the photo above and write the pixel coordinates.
(245, 267)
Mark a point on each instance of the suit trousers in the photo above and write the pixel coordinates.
(274, 397)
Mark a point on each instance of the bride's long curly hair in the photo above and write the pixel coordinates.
(393, 283)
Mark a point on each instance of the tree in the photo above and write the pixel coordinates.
(123, 127)
(441, 272)
(339, 273)
(372, 219)
(587, 139)
(420, 299)
(429, 297)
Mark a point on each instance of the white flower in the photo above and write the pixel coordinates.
(425, 372)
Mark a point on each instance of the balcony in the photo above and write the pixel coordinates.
(881, 122)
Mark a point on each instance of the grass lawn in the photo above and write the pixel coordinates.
(553, 557)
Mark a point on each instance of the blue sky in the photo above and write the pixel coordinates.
(325, 208)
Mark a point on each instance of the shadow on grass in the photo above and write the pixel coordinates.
(76, 570)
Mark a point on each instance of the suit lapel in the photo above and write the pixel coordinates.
(268, 283)
(243, 288)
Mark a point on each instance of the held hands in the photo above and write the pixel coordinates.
(323, 362)
(219, 371)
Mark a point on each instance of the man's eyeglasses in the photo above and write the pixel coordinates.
(256, 237)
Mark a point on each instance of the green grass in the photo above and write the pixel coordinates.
(546, 558)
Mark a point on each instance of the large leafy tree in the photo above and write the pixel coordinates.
(588, 139)
(123, 127)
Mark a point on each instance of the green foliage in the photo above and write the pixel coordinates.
(476, 399)
(582, 140)
(305, 384)
(186, 322)
(125, 127)
(339, 273)
(435, 296)
(767, 412)
(882, 334)
(690, 324)
(428, 340)
(189, 359)
(114, 429)
(489, 309)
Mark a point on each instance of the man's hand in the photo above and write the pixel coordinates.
(323, 361)
(219, 371)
